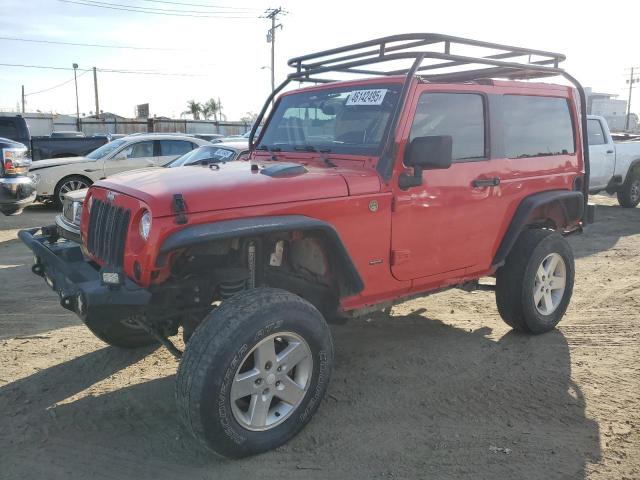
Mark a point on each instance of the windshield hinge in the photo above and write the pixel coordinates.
(179, 209)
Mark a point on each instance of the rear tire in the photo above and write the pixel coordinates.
(629, 193)
(534, 287)
(121, 333)
(229, 396)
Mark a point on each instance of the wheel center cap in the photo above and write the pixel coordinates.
(271, 379)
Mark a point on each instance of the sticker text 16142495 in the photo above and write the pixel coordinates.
(366, 97)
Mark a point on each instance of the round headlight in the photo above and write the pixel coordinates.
(145, 225)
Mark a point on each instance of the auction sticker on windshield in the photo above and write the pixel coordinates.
(366, 97)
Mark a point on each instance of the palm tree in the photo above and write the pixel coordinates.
(210, 109)
(194, 109)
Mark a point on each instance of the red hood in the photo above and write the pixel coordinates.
(235, 185)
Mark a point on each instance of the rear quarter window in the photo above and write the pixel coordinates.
(175, 147)
(537, 126)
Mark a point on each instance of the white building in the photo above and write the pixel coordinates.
(613, 110)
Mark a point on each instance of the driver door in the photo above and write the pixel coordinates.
(446, 225)
(131, 157)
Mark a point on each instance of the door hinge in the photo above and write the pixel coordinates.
(400, 256)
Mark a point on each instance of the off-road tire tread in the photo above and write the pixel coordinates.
(510, 278)
(623, 192)
(212, 335)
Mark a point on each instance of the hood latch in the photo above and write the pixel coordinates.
(179, 209)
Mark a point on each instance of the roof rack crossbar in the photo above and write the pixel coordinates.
(398, 47)
(541, 66)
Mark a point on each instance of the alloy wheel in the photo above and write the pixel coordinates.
(271, 381)
(549, 285)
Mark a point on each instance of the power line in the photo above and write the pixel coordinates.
(105, 70)
(56, 86)
(203, 5)
(157, 11)
(98, 45)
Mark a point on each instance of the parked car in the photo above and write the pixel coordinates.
(615, 166)
(359, 194)
(56, 177)
(68, 222)
(211, 137)
(109, 136)
(17, 189)
(15, 128)
(235, 138)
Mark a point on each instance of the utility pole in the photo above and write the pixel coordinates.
(95, 88)
(631, 81)
(23, 99)
(272, 14)
(75, 79)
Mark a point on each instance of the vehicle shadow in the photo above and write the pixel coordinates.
(612, 223)
(410, 397)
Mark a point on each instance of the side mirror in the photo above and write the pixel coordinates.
(431, 153)
(120, 156)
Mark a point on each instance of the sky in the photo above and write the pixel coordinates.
(228, 58)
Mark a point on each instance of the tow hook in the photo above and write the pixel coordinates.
(179, 209)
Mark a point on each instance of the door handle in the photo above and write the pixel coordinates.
(609, 151)
(486, 182)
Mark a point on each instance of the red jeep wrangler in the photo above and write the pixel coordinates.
(358, 195)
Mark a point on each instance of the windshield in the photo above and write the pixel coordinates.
(203, 155)
(106, 149)
(351, 120)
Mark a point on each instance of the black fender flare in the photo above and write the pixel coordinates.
(256, 226)
(570, 206)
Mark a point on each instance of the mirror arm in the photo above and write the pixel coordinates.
(405, 181)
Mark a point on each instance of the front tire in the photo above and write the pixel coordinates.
(69, 184)
(254, 372)
(534, 287)
(629, 193)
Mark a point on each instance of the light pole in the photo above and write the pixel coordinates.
(75, 79)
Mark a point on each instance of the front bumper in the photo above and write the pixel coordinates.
(77, 281)
(16, 193)
(67, 230)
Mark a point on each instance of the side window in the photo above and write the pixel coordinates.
(244, 155)
(460, 115)
(596, 135)
(138, 150)
(537, 126)
(175, 147)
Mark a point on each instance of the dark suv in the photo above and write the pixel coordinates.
(358, 195)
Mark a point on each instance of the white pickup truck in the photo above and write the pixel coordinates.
(615, 166)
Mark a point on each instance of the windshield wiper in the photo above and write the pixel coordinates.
(306, 148)
(267, 148)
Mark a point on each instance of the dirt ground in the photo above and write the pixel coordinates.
(440, 389)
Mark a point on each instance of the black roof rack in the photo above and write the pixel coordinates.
(445, 64)
(430, 56)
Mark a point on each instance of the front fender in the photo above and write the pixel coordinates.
(256, 226)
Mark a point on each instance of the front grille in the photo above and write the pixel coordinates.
(107, 232)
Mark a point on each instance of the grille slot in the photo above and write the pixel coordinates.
(108, 226)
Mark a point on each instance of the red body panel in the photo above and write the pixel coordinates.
(437, 234)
